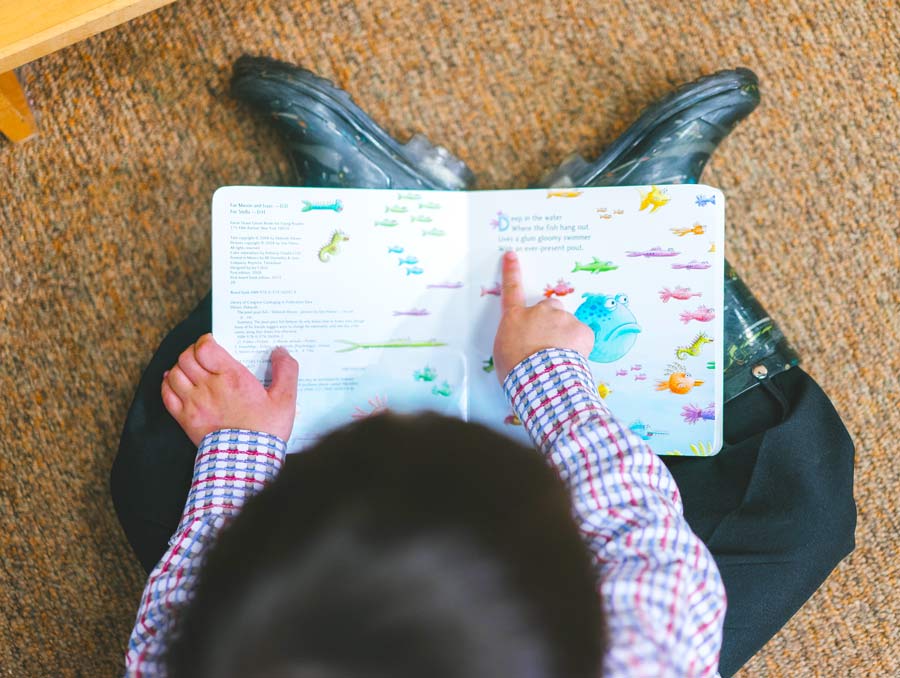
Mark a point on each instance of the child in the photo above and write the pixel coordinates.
(424, 546)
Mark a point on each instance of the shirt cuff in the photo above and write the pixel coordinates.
(231, 466)
(550, 391)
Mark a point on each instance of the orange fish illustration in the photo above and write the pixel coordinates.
(656, 196)
(563, 194)
(678, 381)
(696, 229)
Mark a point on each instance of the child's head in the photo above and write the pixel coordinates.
(399, 546)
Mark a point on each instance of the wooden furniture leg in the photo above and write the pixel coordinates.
(16, 120)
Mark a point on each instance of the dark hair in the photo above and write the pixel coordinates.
(399, 546)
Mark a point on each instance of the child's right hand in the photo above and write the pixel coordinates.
(525, 330)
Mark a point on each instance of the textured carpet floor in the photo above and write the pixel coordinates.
(104, 241)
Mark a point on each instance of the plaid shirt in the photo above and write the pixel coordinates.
(662, 593)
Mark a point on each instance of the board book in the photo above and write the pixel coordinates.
(390, 299)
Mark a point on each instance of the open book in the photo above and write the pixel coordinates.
(390, 299)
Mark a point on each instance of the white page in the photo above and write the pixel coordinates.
(552, 230)
(271, 288)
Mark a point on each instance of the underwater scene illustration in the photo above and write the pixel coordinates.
(390, 300)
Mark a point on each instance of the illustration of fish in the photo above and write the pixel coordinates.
(711, 365)
(429, 206)
(614, 326)
(394, 343)
(378, 404)
(694, 347)
(329, 250)
(395, 249)
(496, 290)
(335, 206)
(488, 365)
(703, 200)
(696, 229)
(656, 196)
(654, 252)
(680, 293)
(703, 314)
(426, 374)
(641, 429)
(712, 247)
(694, 265)
(445, 285)
(604, 216)
(618, 211)
(414, 270)
(692, 413)
(595, 266)
(621, 373)
(635, 368)
(442, 390)
(603, 390)
(561, 289)
(602, 209)
(512, 420)
(409, 196)
(387, 223)
(413, 311)
(501, 223)
(640, 377)
(397, 209)
(679, 380)
(565, 193)
(408, 260)
(434, 231)
(422, 218)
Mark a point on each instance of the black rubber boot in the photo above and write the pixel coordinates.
(670, 143)
(332, 142)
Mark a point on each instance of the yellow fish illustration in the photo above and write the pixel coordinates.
(563, 194)
(712, 247)
(655, 196)
(603, 390)
(696, 229)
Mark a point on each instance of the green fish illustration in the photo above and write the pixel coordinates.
(429, 206)
(387, 223)
(428, 374)
(399, 209)
(308, 206)
(596, 266)
(394, 343)
(423, 219)
(488, 365)
(409, 196)
(434, 231)
(442, 390)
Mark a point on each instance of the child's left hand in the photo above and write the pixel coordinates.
(208, 390)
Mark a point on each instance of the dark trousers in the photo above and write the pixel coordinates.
(775, 506)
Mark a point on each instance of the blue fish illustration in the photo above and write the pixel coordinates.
(614, 325)
(414, 270)
(335, 206)
(410, 260)
(395, 249)
(705, 200)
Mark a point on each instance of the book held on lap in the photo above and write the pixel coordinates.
(391, 299)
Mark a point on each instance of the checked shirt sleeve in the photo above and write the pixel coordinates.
(231, 466)
(662, 593)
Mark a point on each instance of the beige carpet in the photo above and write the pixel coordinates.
(104, 224)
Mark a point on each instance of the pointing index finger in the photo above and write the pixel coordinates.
(512, 294)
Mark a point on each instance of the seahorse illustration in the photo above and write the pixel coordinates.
(331, 248)
(693, 348)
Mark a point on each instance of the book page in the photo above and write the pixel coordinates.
(363, 287)
(643, 267)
